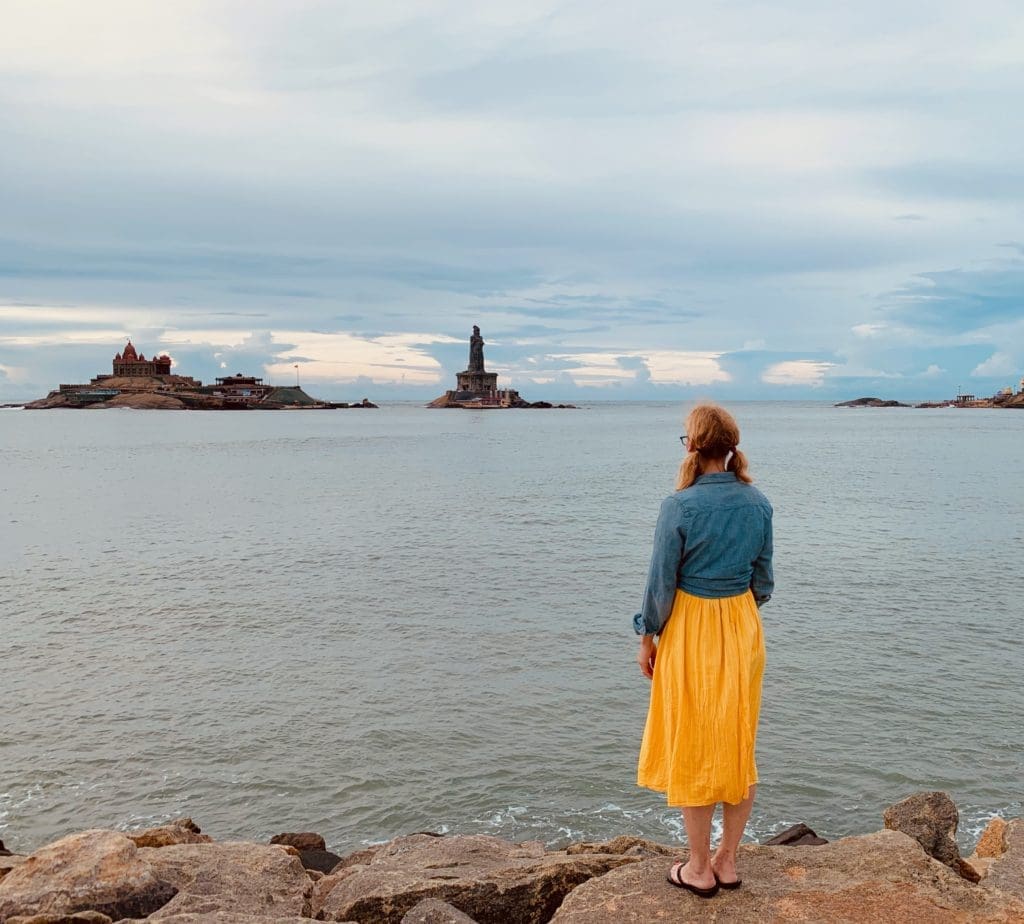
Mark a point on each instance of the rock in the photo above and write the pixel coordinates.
(80, 917)
(91, 871)
(242, 878)
(1007, 871)
(141, 401)
(322, 861)
(931, 819)
(228, 917)
(4, 852)
(870, 402)
(797, 836)
(624, 844)
(182, 831)
(992, 842)
(8, 862)
(432, 911)
(304, 841)
(878, 877)
(491, 880)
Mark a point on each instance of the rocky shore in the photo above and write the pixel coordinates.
(911, 871)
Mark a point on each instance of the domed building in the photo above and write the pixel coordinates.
(130, 363)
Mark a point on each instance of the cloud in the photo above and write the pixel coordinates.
(998, 364)
(622, 202)
(798, 372)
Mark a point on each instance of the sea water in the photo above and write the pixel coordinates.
(369, 623)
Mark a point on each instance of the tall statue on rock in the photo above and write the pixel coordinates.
(476, 351)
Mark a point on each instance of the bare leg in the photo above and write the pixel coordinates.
(735, 820)
(698, 870)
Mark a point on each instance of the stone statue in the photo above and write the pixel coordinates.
(476, 351)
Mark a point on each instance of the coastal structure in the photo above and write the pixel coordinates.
(130, 363)
(149, 384)
(475, 387)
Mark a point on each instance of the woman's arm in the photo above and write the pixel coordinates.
(660, 593)
(762, 583)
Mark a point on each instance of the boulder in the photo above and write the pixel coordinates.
(79, 917)
(4, 852)
(491, 880)
(1007, 871)
(931, 819)
(877, 877)
(228, 917)
(321, 861)
(624, 844)
(91, 871)
(7, 863)
(242, 878)
(181, 831)
(432, 911)
(797, 836)
(304, 841)
(992, 842)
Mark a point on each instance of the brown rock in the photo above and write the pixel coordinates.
(879, 877)
(228, 917)
(491, 880)
(8, 863)
(94, 870)
(80, 917)
(238, 877)
(992, 842)
(1006, 871)
(931, 819)
(320, 860)
(624, 844)
(797, 836)
(4, 852)
(306, 840)
(182, 831)
(432, 911)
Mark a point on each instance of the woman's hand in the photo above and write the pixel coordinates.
(645, 658)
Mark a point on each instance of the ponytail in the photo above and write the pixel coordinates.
(738, 466)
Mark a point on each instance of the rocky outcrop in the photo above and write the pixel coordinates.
(491, 880)
(432, 911)
(878, 877)
(92, 871)
(99, 877)
(1006, 871)
(305, 840)
(931, 818)
(870, 402)
(181, 831)
(310, 849)
(141, 401)
(8, 862)
(237, 877)
(79, 917)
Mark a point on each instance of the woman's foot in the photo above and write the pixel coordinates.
(703, 883)
(723, 866)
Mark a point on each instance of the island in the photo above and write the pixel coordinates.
(870, 402)
(476, 388)
(148, 384)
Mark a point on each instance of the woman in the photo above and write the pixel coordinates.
(710, 571)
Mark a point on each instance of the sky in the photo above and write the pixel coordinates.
(653, 200)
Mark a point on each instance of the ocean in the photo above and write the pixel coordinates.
(370, 623)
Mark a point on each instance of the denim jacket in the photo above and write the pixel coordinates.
(713, 539)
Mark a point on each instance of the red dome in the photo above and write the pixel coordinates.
(129, 353)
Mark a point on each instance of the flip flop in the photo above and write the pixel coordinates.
(735, 884)
(680, 883)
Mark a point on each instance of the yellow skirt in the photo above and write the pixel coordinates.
(698, 744)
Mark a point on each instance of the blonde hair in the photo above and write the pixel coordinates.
(712, 433)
